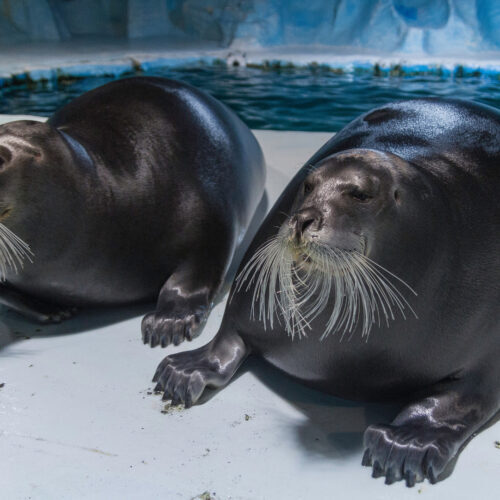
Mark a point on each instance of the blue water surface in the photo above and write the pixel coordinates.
(294, 99)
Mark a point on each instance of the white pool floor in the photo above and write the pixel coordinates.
(78, 419)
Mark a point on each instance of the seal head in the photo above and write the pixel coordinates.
(325, 253)
(344, 198)
(36, 192)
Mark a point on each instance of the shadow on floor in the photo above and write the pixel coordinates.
(333, 427)
(13, 327)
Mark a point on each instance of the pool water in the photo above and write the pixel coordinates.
(294, 99)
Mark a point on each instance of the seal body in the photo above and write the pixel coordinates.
(139, 188)
(391, 237)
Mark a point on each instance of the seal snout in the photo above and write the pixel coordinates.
(307, 219)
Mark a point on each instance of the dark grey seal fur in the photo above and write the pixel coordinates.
(138, 189)
(414, 187)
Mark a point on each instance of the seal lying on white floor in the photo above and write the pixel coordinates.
(135, 190)
(381, 260)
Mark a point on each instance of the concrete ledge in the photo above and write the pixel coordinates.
(46, 61)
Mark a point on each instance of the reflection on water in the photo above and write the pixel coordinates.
(296, 99)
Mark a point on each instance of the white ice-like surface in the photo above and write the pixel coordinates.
(82, 58)
(77, 422)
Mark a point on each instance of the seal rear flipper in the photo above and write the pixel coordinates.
(424, 440)
(184, 376)
(32, 308)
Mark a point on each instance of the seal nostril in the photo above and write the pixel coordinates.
(306, 223)
(301, 221)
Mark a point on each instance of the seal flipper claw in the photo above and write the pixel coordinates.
(184, 376)
(411, 479)
(367, 458)
(172, 326)
(32, 308)
(377, 470)
(390, 477)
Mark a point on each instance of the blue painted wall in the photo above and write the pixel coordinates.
(409, 26)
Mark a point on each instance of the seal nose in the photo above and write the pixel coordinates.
(307, 218)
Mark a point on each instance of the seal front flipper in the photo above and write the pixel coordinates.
(32, 308)
(184, 376)
(425, 438)
(183, 305)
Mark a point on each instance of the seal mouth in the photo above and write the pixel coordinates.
(13, 250)
(294, 283)
(304, 250)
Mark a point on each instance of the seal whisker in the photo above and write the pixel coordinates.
(373, 263)
(13, 252)
(296, 291)
(379, 295)
(395, 295)
(380, 288)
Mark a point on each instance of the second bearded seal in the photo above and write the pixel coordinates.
(397, 216)
(138, 189)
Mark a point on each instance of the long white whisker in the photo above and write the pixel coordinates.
(13, 252)
(295, 284)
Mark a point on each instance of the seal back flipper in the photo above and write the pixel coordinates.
(184, 376)
(32, 308)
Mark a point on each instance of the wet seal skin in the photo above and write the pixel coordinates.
(137, 190)
(381, 260)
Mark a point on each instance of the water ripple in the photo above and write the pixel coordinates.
(298, 99)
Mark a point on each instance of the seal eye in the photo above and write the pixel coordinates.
(307, 187)
(359, 195)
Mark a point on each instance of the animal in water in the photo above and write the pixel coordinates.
(381, 260)
(138, 190)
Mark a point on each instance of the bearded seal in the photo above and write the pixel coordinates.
(138, 189)
(382, 259)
